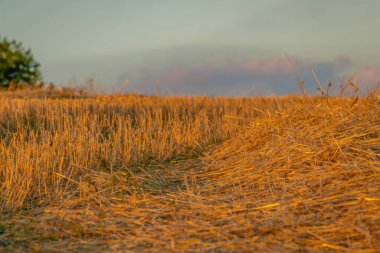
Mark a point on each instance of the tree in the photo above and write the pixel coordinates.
(17, 65)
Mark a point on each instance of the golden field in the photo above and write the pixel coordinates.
(113, 173)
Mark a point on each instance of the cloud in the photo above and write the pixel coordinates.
(267, 66)
(368, 77)
(204, 70)
(343, 62)
(177, 75)
(245, 77)
(226, 78)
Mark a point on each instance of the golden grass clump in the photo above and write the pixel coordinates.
(155, 174)
(305, 178)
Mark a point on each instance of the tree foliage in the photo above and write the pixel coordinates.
(17, 65)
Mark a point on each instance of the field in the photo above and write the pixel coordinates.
(131, 173)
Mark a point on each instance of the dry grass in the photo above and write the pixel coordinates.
(154, 174)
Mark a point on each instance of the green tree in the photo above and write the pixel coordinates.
(17, 65)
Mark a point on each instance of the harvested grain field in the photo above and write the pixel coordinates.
(189, 174)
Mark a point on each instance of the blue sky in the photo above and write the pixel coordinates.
(214, 47)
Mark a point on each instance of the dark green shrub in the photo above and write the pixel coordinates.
(17, 65)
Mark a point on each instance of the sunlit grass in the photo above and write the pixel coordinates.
(189, 174)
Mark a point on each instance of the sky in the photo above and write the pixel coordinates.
(198, 47)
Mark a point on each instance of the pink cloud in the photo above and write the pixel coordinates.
(267, 66)
(260, 66)
(368, 76)
(273, 73)
(177, 75)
